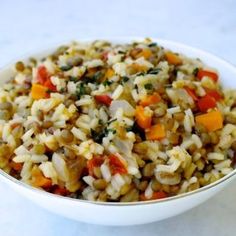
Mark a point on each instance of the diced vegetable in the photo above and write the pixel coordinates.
(109, 73)
(39, 91)
(210, 74)
(143, 118)
(212, 120)
(146, 53)
(16, 166)
(43, 78)
(173, 58)
(38, 180)
(150, 99)
(191, 93)
(50, 85)
(96, 161)
(206, 103)
(116, 165)
(42, 75)
(214, 93)
(155, 195)
(60, 191)
(156, 132)
(103, 99)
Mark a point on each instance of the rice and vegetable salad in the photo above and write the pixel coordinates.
(116, 122)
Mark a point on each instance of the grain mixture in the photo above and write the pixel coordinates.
(111, 122)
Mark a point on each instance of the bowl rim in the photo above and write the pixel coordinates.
(39, 53)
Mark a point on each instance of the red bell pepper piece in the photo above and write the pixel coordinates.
(206, 103)
(103, 99)
(210, 74)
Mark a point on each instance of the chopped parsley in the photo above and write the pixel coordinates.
(107, 82)
(154, 71)
(152, 44)
(195, 71)
(124, 79)
(99, 135)
(62, 90)
(72, 78)
(121, 52)
(128, 129)
(140, 73)
(100, 122)
(148, 86)
(80, 90)
(113, 131)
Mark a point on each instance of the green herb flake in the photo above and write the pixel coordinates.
(124, 79)
(107, 83)
(80, 90)
(148, 86)
(152, 44)
(140, 73)
(113, 131)
(100, 122)
(121, 52)
(195, 71)
(128, 129)
(154, 71)
(72, 78)
(62, 90)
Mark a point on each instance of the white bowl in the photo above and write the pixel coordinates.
(137, 212)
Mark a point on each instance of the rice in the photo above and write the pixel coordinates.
(116, 123)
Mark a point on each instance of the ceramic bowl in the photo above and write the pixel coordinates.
(135, 212)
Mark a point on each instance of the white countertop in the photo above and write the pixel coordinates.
(29, 25)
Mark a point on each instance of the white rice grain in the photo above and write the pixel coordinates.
(78, 134)
(106, 174)
(117, 93)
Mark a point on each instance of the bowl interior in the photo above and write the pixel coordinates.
(227, 78)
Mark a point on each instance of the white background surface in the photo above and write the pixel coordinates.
(29, 25)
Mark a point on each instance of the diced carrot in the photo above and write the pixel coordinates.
(156, 132)
(191, 93)
(212, 121)
(109, 73)
(146, 53)
(210, 74)
(103, 99)
(155, 195)
(173, 59)
(60, 191)
(150, 99)
(42, 75)
(38, 180)
(143, 119)
(39, 91)
(16, 166)
(214, 93)
(138, 68)
(116, 165)
(96, 161)
(206, 103)
(43, 182)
